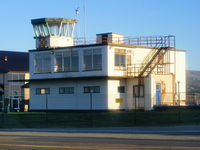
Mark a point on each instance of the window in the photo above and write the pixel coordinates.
(42, 91)
(138, 90)
(120, 57)
(120, 60)
(42, 63)
(41, 30)
(58, 61)
(88, 60)
(97, 59)
(66, 90)
(74, 61)
(54, 28)
(66, 61)
(92, 89)
(92, 59)
(121, 89)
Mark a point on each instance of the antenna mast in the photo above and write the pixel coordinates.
(77, 28)
(84, 18)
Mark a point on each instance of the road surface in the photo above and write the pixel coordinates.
(101, 138)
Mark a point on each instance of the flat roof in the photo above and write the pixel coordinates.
(109, 33)
(52, 20)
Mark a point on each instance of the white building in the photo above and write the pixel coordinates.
(109, 73)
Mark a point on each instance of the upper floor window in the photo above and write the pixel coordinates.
(92, 59)
(120, 60)
(42, 63)
(120, 57)
(66, 61)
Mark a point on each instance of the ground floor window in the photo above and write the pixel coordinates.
(42, 91)
(91, 89)
(66, 90)
(121, 89)
(138, 90)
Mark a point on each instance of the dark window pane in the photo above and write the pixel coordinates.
(58, 62)
(61, 90)
(37, 91)
(67, 63)
(75, 63)
(116, 60)
(88, 62)
(97, 62)
(96, 89)
(87, 89)
(121, 89)
(122, 60)
(47, 90)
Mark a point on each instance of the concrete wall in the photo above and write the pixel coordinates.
(79, 100)
(181, 75)
(167, 89)
(137, 56)
(116, 100)
(149, 92)
(56, 41)
(80, 73)
(109, 96)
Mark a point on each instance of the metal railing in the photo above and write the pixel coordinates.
(149, 41)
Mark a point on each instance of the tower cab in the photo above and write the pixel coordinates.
(53, 32)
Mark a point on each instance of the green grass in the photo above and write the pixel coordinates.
(80, 119)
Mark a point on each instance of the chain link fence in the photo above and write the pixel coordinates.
(185, 109)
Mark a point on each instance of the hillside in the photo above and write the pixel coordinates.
(193, 81)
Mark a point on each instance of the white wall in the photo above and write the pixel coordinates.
(149, 92)
(108, 62)
(79, 100)
(181, 74)
(107, 98)
(113, 94)
(137, 56)
(81, 72)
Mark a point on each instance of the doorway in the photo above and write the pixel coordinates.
(158, 93)
(15, 103)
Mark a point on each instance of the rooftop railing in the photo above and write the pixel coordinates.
(149, 41)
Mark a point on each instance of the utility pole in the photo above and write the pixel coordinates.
(179, 102)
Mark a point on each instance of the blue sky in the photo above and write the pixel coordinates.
(130, 17)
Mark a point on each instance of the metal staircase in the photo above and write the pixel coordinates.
(151, 61)
(160, 46)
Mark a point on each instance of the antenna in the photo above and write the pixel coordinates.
(77, 11)
(84, 18)
(77, 29)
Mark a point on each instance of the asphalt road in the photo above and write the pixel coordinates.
(101, 138)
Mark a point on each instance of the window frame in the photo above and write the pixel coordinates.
(66, 90)
(67, 56)
(93, 53)
(38, 91)
(96, 89)
(121, 89)
(140, 88)
(43, 60)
